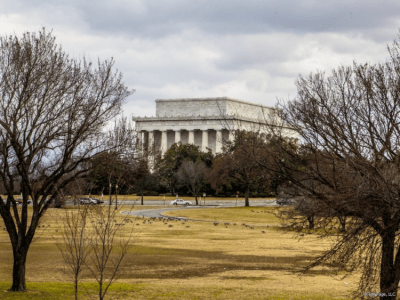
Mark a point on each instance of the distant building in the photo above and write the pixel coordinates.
(204, 122)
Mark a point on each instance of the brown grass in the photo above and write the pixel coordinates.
(248, 215)
(195, 260)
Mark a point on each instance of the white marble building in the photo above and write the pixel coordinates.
(205, 122)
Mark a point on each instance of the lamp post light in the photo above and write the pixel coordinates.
(110, 193)
(236, 200)
(116, 196)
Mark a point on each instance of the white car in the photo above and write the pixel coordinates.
(86, 201)
(181, 202)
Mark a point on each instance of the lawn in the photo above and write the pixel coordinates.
(190, 260)
(249, 215)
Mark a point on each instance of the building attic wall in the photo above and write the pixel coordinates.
(220, 106)
(191, 107)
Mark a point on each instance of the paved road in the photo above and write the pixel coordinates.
(226, 203)
(158, 212)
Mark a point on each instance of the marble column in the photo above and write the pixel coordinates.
(151, 141)
(191, 137)
(150, 149)
(139, 139)
(204, 141)
(164, 144)
(143, 140)
(139, 142)
(177, 136)
(218, 141)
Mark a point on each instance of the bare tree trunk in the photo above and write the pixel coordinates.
(141, 201)
(18, 284)
(246, 197)
(76, 288)
(311, 223)
(388, 281)
(342, 220)
(101, 296)
(195, 196)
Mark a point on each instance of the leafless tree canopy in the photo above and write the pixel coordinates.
(349, 162)
(192, 175)
(53, 110)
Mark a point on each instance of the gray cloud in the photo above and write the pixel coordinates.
(160, 18)
(250, 50)
(156, 18)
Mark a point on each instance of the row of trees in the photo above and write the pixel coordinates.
(185, 169)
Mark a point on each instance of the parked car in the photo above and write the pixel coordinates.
(285, 201)
(20, 201)
(85, 201)
(181, 202)
(97, 201)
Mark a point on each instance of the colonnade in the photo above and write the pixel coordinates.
(149, 141)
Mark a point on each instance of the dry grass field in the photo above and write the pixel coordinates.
(189, 260)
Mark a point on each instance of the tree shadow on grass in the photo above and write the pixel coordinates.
(160, 263)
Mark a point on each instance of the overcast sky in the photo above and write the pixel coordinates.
(249, 50)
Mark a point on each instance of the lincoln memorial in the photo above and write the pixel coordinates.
(204, 122)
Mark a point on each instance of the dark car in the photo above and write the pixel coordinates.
(285, 201)
(97, 201)
(20, 201)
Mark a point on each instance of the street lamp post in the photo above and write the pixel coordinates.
(110, 193)
(116, 196)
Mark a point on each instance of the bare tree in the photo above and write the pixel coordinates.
(192, 176)
(349, 163)
(75, 246)
(109, 246)
(53, 110)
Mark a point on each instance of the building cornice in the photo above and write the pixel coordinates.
(182, 118)
(226, 118)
